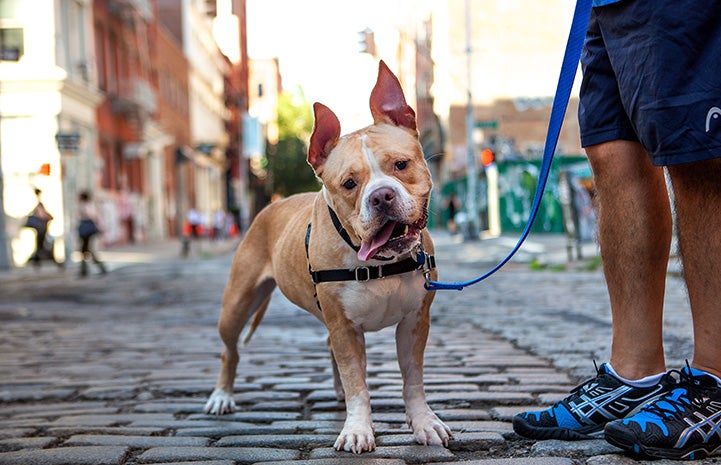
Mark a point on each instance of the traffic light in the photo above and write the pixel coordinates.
(367, 41)
(44, 169)
(487, 156)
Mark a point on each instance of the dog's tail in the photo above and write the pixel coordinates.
(255, 322)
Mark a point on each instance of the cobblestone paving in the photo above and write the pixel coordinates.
(116, 369)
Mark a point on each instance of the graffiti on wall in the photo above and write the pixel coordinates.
(517, 181)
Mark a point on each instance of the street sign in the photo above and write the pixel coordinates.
(486, 124)
(67, 141)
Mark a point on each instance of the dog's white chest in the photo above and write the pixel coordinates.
(377, 304)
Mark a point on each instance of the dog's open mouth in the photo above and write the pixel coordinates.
(393, 237)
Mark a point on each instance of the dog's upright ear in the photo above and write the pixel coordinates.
(388, 105)
(326, 132)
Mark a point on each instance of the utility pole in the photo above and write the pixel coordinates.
(472, 231)
(4, 246)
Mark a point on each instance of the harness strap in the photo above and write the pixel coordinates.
(341, 230)
(420, 261)
(366, 273)
(344, 234)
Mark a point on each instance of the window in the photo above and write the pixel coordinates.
(12, 45)
(100, 56)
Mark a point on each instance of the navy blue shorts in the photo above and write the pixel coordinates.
(652, 74)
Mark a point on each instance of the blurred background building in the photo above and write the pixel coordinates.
(156, 107)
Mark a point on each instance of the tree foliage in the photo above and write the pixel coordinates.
(287, 160)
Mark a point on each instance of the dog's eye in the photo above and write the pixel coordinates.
(401, 165)
(349, 184)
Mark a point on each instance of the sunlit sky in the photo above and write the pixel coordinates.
(317, 43)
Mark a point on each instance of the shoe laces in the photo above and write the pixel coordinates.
(687, 391)
(583, 386)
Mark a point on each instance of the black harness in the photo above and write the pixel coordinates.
(418, 260)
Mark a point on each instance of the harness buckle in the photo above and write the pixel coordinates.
(427, 277)
(362, 274)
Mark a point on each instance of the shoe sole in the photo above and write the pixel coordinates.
(527, 430)
(617, 437)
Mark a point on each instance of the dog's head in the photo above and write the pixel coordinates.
(376, 178)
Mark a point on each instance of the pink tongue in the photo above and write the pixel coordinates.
(369, 248)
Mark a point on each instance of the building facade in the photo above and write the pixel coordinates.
(101, 96)
(48, 94)
(130, 141)
(177, 186)
(507, 60)
(191, 22)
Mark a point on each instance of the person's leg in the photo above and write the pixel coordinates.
(39, 244)
(697, 190)
(635, 228)
(635, 234)
(96, 260)
(685, 423)
(84, 250)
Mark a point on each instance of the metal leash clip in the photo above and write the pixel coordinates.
(425, 262)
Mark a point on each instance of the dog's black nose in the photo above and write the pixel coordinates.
(383, 198)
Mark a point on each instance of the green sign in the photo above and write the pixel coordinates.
(487, 124)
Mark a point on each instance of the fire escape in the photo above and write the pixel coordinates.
(134, 98)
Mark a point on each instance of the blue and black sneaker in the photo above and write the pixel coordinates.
(683, 424)
(584, 413)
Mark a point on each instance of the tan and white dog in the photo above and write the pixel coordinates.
(354, 255)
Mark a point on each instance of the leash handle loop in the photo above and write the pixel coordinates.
(574, 46)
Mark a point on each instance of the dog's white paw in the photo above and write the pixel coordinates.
(429, 430)
(356, 439)
(220, 402)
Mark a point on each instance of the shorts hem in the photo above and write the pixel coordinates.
(679, 158)
(607, 135)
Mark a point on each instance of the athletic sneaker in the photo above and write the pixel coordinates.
(684, 423)
(584, 413)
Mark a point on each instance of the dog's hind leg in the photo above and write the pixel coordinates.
(255, 322)
(238, 306)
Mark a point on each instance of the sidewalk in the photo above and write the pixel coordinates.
(116, 369)
(547, 249)
(119, 256)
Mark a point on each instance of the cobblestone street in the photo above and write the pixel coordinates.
(116, 369)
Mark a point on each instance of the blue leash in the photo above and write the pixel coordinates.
(571, 57)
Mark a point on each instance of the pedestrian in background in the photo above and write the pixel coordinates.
(38, 220)
(453, 205)
(220, 226)
(192, 230)
(196, 222)
(87, 229)
(651, 98)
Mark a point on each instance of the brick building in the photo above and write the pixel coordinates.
(125, 33)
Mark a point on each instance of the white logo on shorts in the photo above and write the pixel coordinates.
(713, 113)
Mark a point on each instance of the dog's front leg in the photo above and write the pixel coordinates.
(411, 336)
(348, 345)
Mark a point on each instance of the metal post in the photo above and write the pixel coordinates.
(68, 144)
(69, 190)
(472, 231)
